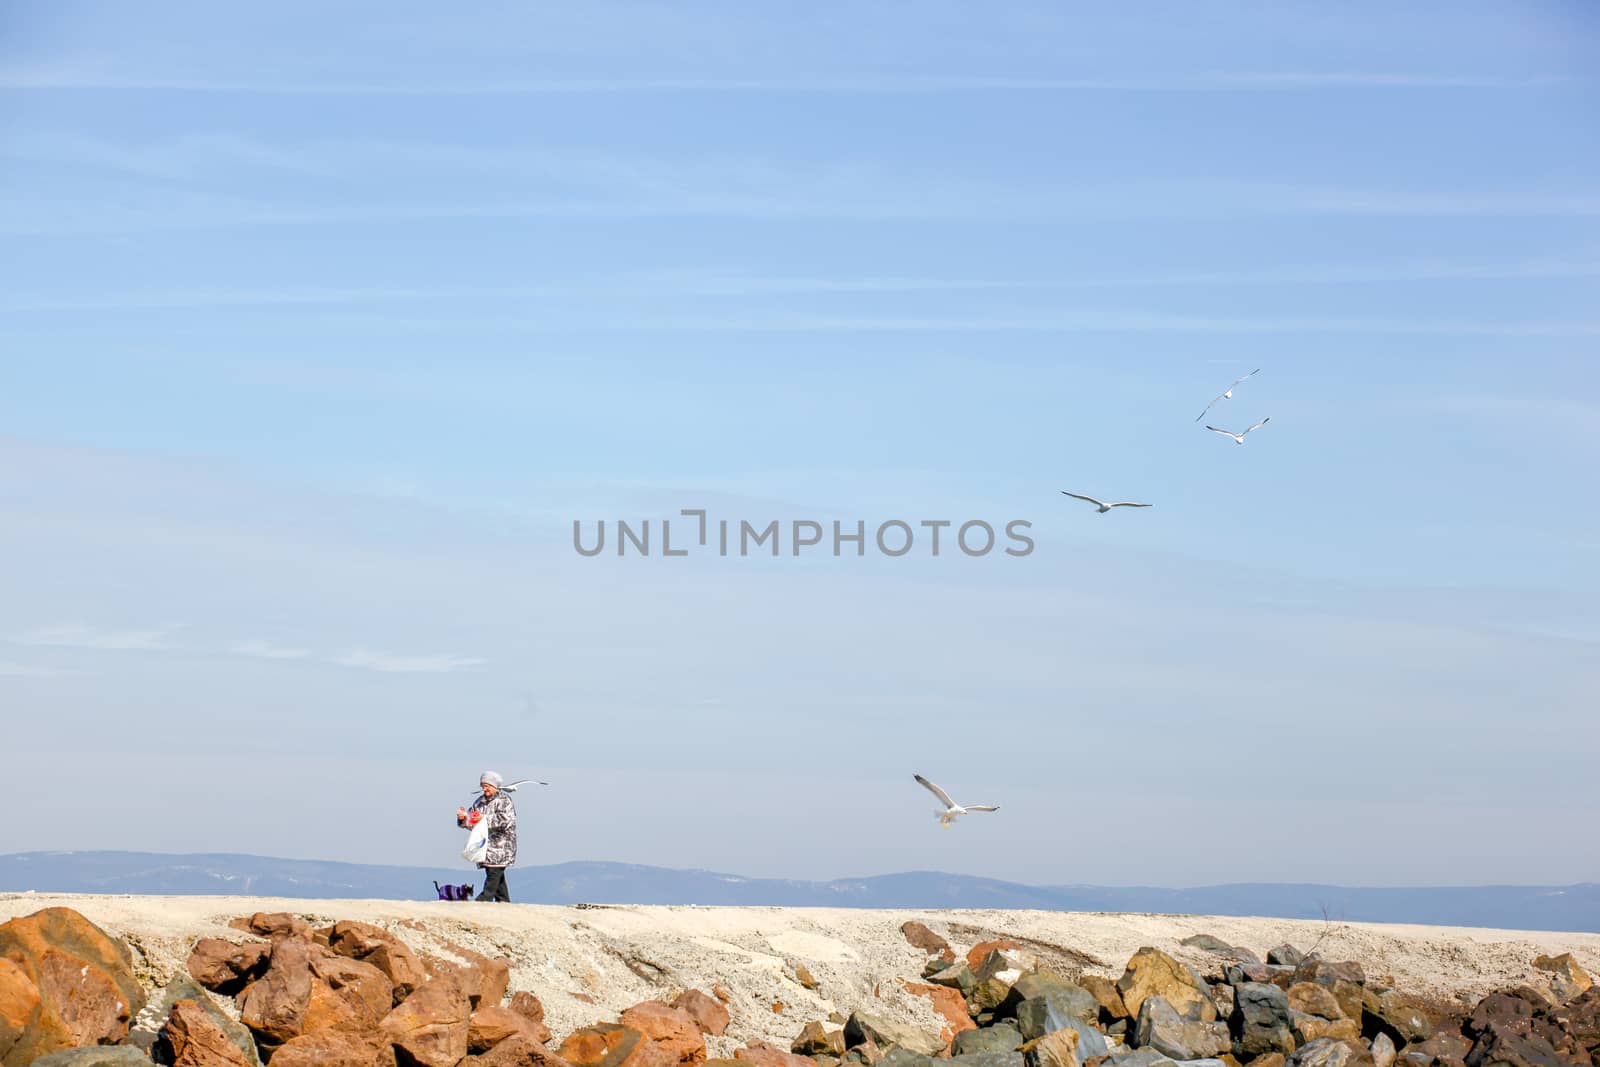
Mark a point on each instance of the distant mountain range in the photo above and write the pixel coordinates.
(1573, 907)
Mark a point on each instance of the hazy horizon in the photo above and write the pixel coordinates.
(321, 331)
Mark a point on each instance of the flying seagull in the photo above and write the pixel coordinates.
(1102, 505)
(1226, 394)
(511, 787)
(951, 808)
(1238, 438)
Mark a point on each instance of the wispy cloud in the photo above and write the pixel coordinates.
(78, 635)
(267, 650)
(9, 669)
(69, 80)
(388, 663)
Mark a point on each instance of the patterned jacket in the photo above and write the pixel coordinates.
(502, 817)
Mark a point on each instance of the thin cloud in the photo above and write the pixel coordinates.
(267, 650)
(78, 635)
(387, 663)
(9, 669)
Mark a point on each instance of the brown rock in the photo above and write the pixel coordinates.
(274, 1007)
(224, 967)
(612, 1045)
(429, 1028)
(921, 937)
(274, 926)
(1308, 1028)
(1152, 972)
(760, 1054)
(482, 979)
(977, 953)
(365, 988)
(81, 975)
(492, 1024)
(1268, 1059)
(1059, 1048)
(191, 1039)
(381, 949)
(817, 1040)
(948, 1004)
(778, 1006)
(707, 1012)
(1314, 999)
(1104, 990)
(516, 1051)
(334, 1048)
(586, 998)
(527, 1005)
(803, 975)
(1566, 976)
(672, 1028)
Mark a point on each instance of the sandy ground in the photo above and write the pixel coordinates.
(620, 955)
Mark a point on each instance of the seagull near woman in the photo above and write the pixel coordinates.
(1238, 438)
(951, 808)
(1101, 506)
(1226, 394)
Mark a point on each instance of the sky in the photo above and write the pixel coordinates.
(320, 329)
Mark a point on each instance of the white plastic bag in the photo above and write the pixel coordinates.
(477, 849)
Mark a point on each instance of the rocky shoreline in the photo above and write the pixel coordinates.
(294, 989)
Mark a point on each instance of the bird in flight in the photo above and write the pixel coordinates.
(511, 787)
(951, 808)
(1226, 394)
(1101, 505)
(1238, 438)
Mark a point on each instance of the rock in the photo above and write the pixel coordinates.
(1122, 1056)
(986, 1059)
(1270, 1059)
(882, 1031)
(334, 1048)
(158, 1012)
(1568, 979)
(948, 1004)
(191, 1039)
(95, 1056)
(492, 1024)
(707, 1012)
(955, 976)
(297, 996)
(979, 952)
(759, 1054)
(529, 1006)
(1161, 1027)
(364, 987)
(1002, 1037)
(520, 1051)
(1219, 947)
(1314, 999)
(83, 989)
(672, 1028)
(429, 1028)
(817, 1040)
(1396, 1015)
(482, 979)
(611, 1045)
(1260, 1020)
(996, 975)
(1330, 1053)
(1308, 1028)
(274, 926)
(226, 968)
(925, 939)
(1286, 954)
(803, 975)
(1383, 1051)
(1104, 991)
(1580, 1019)
(1152, 972)
(899, 1057)
(381, 949)
(1056, 1049)
(1343, 980)
(1068, 998)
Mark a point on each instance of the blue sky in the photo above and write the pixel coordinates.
(319, 330)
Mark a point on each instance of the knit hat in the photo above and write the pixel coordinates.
(490, 778)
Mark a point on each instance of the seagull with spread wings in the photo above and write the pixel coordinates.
(1238, 438)
(1101, 506)
(1226, 394)
(951, 808)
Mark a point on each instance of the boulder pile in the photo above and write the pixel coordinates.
(351, 994)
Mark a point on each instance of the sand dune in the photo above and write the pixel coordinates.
(619, 955)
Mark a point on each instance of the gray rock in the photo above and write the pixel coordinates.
(1123, 1056)
(97, 1056)
(1383, 1052)
(1219, 947)
(1206, 1062)
(1001, 1037)
(1260, 1020)
(955, 976)
(1039, 1015)
(984, 1059)
(1286, 954)
(183, 987)
(900, 1057)
(884, 1032)
(1325, 1052)
(1069, 997)
(1091, 1042)
(1161, 1027)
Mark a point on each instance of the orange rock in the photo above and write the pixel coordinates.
(760, 1054)
(721, 993)
(778, 1006)
(672, 1028)
(586, 998)
(429, 1028)
(976, 954)
(381, 949)
(492, 1024)
(224, 967)
(950, 1006)
(516, 1051)
(193, 1040)
(81, 975)
(707, 1012)
(482, 979)
(611, 1045)
(334, 1048)
(526, 1004)
(274, 925)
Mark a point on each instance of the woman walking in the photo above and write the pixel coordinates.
(494, 805)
